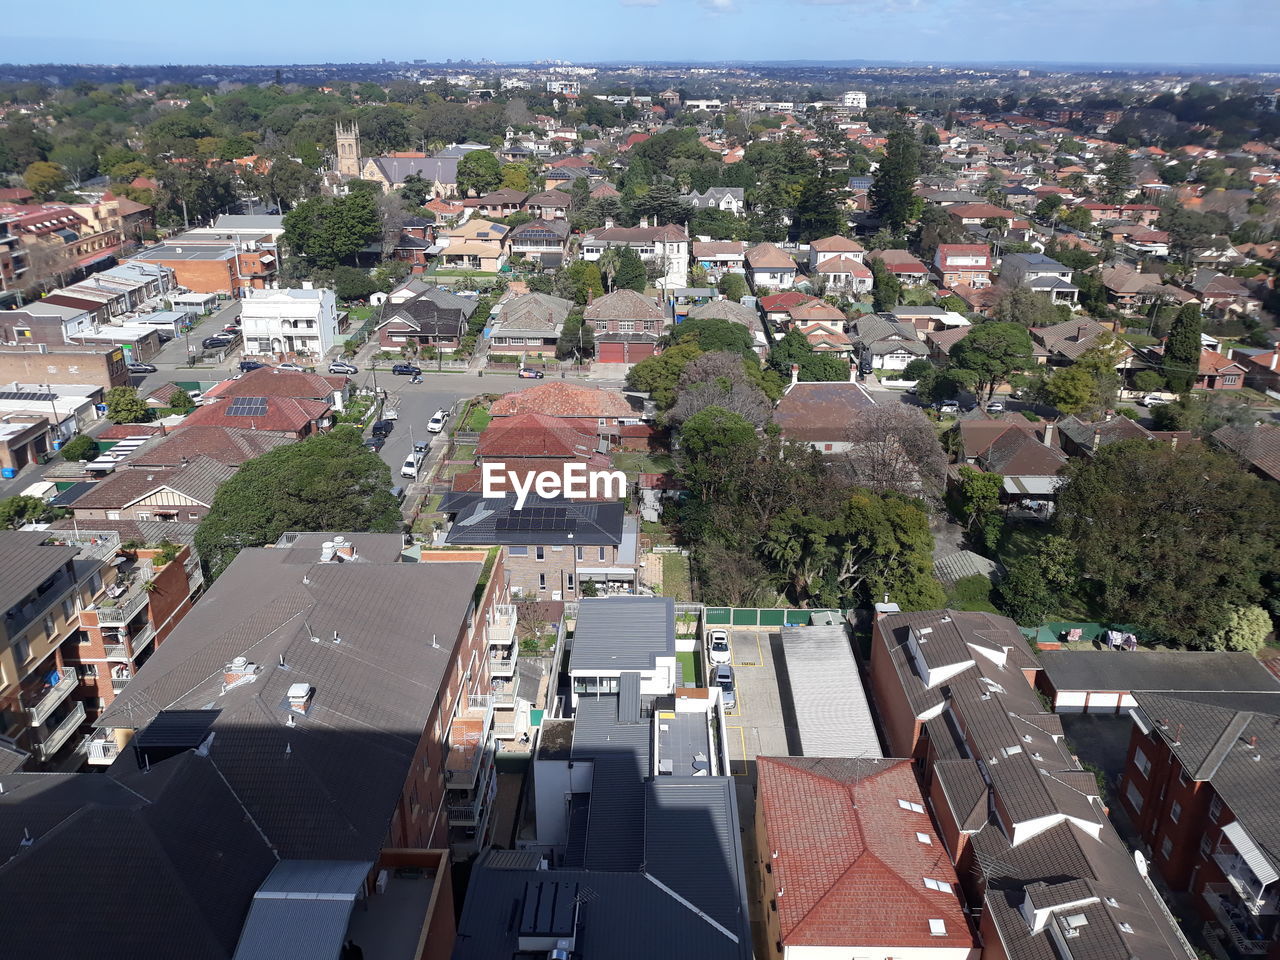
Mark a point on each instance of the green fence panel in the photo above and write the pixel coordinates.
(535, 717)
(745, 616)
(772, 618)
(718, 615)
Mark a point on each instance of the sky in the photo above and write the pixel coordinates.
(1236, 32)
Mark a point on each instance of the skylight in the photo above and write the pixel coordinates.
(940, 885)
(938, 928)
(924, 838)
(909, 805)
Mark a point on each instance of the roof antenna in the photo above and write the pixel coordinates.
(146, 759)
(435, 644)
(288, 748)
(336, 638)
(306, 626)
(289, 722)
(282, 663)
(26, 837)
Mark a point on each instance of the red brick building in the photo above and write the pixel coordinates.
(627, 326)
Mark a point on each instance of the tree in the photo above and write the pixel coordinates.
(733, 286)
(181, 401)
(895, 448)
(125, 406)
(892, 196)
(1148, 381)
(45, 179)
(1181, 362)
(723, 380)
(1071, 389)
(1077, 218)
(1047, 208)
(81, 447)
(1246, 629)
(328, 231)
(515, 176)
(415, 192)
(77, 160)
(886, 289)
(977, 495)
(1170, 538)
(17, 512)
(993, 351)
(325, 482)
(631, 274)
(659, 375)
(1025, 306)
(478, 172)
(817, 213)
(577, 338)
(1034, 581)
(794, 348)
(716, 446)
(1117, 176)
(714, 334)
(579, 282)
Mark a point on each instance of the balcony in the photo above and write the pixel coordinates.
(1235, 920)
(503, 667)
(18, 618)
(119, 683)
(470, 811)
(1257, 901)
(101, 749)
(40, 703)
(502, 629)
(469, 742)
(60, 734)
(128, 598)
(138, 641)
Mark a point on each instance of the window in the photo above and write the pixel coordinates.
(1231, 378)
(144, 515)
(1215, 809)
(518, 551)
(940, 885)
(22, 650)
(602, 553)
(1166, 848)
(626, 326)
(50, 628)
(1175, 812)
(1134, 796)
(193, 516)
(540, 553)
(542, 581)
(1182, 776)
(1206, 845)
(938, 928)
(113, 514)
(569, 582)
(87, 671)
(911, 805)
(68, 608)
(1141, 762)
(579, 553)
(95, 582)
(924, 838)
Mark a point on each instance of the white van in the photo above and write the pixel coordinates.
(412, 464)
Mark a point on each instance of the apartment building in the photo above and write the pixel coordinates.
(44, 586)
(1200, 783)
(1025, 827)
(55, 364)
(298, 322)
(968, 263)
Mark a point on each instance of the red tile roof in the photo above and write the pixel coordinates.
(559, 399)
(283, 415)
(272, 382)
(536, 435)
(781, 302)
(849, 862)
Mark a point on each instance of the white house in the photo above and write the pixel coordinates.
(830, 247)
(767, 266)
(665, 248)
(854, 100)
(729, 199)
(289, 321)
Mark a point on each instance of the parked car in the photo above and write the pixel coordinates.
(864, 366)
(437, 421)
(383, 428)
(376, 443)
(248, 365)
(135, 367)
(1152, 400)
(412, 464)
(722, 677)
(231, 329)
(947, 406)
(718, 647)
(995, 406)
(216, 342)
(291, 367)
(528, 373)
(341, 366)
(390, 413)
(406, 370)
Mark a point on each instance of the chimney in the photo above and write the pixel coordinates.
(344, 549)
(1108, 415)
(1173, 442)
(608, 223)
(300, 697)
(238, 671)
(1097, 440)
(1275, 355)
(795, 374)
(644, 222)
(1048, 434)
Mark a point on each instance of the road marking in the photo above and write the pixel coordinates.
(742, 740)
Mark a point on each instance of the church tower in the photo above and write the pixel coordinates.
(348, 137)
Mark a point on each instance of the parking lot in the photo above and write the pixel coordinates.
(756, 725)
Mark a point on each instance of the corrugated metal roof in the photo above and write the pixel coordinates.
(302, 909)
(623, 633)
(629, 697)
(621, 757)
(832, 714)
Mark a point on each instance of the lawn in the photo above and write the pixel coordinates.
(675, 577)
(631, 463)
(477, 419)
(1017, 541)
(692, 667)
(658, 533)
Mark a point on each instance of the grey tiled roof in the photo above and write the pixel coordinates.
(25, 563)
(622, 633)
(1159, 671)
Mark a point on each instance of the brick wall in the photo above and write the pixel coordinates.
(199, 276)
(104, 368)
(900, 727)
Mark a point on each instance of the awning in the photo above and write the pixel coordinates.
(1032, 486)
(623, 572)
(1255, 858)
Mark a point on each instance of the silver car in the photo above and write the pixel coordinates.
(722, 677)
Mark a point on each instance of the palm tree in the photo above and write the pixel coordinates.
(608, 264)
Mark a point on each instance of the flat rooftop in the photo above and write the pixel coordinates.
(684, 745)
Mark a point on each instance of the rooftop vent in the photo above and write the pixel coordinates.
(240, 670)
(300, 697)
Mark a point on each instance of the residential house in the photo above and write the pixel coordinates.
(1258, 446)
(1222, 295)
(543, 241)
(500, 203)
(552, 544)
(973, 214)
(963, 263)
(926, 319)
(664, 249)
(728, 199)
(1022, 822)
(821, 414)
(888, 344)
(1063, 343)
(824, 336)
(844, 275)
(433, 318)
(1128, 289)
(474, 245)
(1218, 372)
(549, 205)
(298, 322)
(184, 493)
(784, 309)
(1024, 454)
(331, 389)
(719, 257)
(229, 445)
(734, 312)
(770, 267)
(1082, 438)
(1041, 274)
(1262, 370)
(909, 271)
(834, 248)
(833, 836)
(529, 325)
(605, 410)
(290, 416)
(1199, 791)
(627, 326)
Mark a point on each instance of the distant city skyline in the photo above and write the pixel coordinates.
(1085, 32)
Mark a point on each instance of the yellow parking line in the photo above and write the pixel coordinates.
(742, 739)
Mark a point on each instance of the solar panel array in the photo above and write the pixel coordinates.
(24, 395)
(536, 518)
(248, 407)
